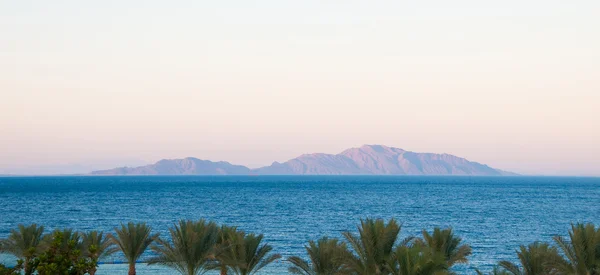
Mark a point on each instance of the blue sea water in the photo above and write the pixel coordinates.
(493, 214)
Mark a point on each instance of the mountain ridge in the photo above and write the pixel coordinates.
(364, 160)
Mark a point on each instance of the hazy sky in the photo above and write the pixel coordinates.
(95, 84)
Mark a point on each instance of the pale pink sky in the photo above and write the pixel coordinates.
(512, 84)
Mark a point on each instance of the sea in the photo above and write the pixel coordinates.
(495, 215)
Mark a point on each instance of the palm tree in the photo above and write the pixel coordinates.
(245, 255)
(223, 244)
(24, 243)
(96, 246)
(533, 259)
(326, 258)
(417, 260)
(444, 242)
(373, 247)
(133, 239)
(582, 251)
(191, 248)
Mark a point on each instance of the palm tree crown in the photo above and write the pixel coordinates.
(222, 247)
(245, 253)
(582, 251)
(326, 258)
(417, 260)
(133, 239)
(533, 259)
(444, 242)
(373, 246)
(191, 248)
(96, 245)
(24, 242)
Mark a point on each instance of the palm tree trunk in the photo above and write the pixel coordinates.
(26, 266)
(132, 268)
(93, 271)
(223, 269)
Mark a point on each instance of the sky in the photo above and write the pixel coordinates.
(90, 85)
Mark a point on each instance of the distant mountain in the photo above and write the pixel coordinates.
(366, 160)
(380, 160)
(186, 166)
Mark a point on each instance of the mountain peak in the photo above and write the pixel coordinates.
(192, 158)
(372, 149)
(374, 146)
(379, 148)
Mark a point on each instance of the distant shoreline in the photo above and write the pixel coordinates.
(312, 175)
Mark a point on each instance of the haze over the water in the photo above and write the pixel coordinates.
(93, 85)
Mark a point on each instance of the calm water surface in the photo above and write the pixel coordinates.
(494, 215)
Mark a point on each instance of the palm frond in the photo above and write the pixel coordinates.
(24, 242)
(190, 249)
(97, 245)
(133, 239)
(582, 250)
(510, 267)
(444, 242)
(246, 254)
(417, 260)
(373, 246)
(300, 266)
